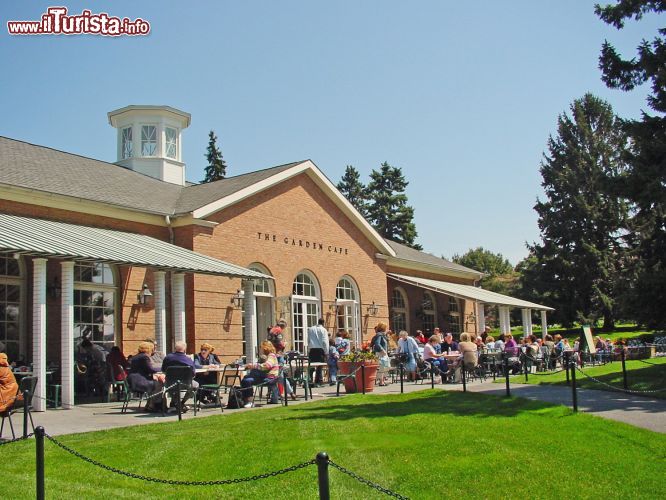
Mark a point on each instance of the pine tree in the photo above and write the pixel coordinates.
(217, 168)
(581, 223)
(353, 189)
(388, 211)
(644, 181)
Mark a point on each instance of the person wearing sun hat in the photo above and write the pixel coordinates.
(8, 386)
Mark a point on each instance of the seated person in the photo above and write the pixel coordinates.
(468, 349)
(420, 338)
(206, 357)
(512, 350)
(268, 370)
(144, 377)
(8, 386)
(437, 360)
(117, 364)
(156, 357)
(179, 358)
(449, 345)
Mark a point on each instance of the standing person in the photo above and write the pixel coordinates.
(276, 337)
(333, 356)
(379, 345)
(408, 348)
(342, 343)
(318, 348)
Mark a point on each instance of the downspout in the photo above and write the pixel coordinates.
(167, 219)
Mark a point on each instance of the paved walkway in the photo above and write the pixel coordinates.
(648, 413)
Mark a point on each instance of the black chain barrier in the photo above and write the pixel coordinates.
(651, 364)
(16, 440)
(366, 482)
(175, 481)
(619, 389)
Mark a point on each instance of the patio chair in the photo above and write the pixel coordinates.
(27, 383)
(185, 376)
(215, 389)
(272, 386)
(131, 394)
(298, 373)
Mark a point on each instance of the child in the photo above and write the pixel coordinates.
(332, 362)
(384, 367)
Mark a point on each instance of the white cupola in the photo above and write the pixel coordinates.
(149, 140)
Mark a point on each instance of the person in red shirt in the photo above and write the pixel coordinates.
(419, 337)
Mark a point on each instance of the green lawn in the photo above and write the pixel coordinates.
(622, 331)
(429, 444)
(640, 376)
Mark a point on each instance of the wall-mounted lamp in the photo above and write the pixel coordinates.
(237, 299)
(54, 289)
(373, 309)
(143, 297)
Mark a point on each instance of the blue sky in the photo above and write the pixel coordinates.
(461, 95)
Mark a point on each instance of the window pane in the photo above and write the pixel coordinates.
(126, 145)
(13, 293)
(12, 267)
(148, 140)
(171, 140)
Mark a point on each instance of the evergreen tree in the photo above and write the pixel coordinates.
(388, 211)
(644, 181)
(580, 221)
(353, 189)
(217, 168)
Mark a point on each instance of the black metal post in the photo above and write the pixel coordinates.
(432, 376)
(39, 469)
(494, 366)
(178, 403)
(624, 370)
(402, 378)
(525, 368)
(284, 390)
(567, 358)
(505, 362)
(464, 377)
(573, 383)
(26, 408)
(322, 473)
(363, 378)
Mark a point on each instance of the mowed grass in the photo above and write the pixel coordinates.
(641, 376)
(429, 444)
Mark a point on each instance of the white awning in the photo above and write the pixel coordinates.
(50, 239)
(468, 292)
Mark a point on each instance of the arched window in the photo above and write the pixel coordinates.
(262, 286)
(94, 303)
(10, 306)
(454, 316)
(429, 313)
(305, 309)
(398, 310)
(347, 309)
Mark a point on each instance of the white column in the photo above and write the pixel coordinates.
(544, 325)
(505, 320)
(39, 332)
(480, 318)
(159, 296)
(527, 321)
(250, 318)
(178, 293)
(67, 333)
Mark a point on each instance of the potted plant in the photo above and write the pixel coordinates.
(350, 362)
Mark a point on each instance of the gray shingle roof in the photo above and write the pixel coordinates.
(407, 253)
(51, 171)
(200, 195)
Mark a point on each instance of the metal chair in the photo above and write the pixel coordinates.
(131, 394)
(184, 376)
(272, 386)
(298, 373)
(26, 384)
(216, 388)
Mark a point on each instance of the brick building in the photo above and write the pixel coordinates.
(121, 252)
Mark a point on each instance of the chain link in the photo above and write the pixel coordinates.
(16, 440)
(366, 482)
(174, 481)
(619, 389)
(651, 364)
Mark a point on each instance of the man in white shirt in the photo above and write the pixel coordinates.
(318, 348)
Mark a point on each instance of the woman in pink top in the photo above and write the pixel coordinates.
(267, 371)
(436, 360)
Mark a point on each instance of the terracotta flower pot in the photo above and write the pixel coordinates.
(369, 372)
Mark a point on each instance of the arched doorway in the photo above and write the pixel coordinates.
(347, 310)
(305, 300)
(263, 302)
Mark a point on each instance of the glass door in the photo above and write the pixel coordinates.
(305, 315)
